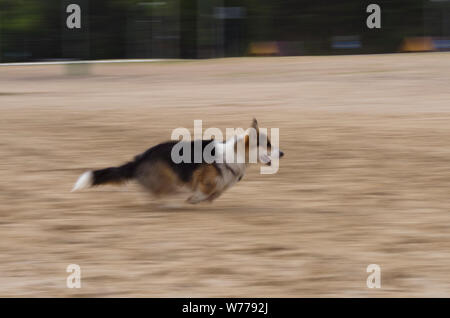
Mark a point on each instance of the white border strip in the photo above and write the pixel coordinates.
(88, 62)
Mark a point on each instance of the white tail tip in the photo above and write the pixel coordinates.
(84, 181)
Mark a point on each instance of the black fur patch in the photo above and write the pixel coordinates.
(158, 153)
(163, 153)
(115, 174)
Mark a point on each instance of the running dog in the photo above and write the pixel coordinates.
(156, 170)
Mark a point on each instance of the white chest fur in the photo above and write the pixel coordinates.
(232, 171)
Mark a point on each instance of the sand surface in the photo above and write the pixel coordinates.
(365, 179)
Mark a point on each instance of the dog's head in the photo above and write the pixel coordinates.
(255, 139)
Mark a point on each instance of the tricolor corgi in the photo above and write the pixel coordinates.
(156, 170)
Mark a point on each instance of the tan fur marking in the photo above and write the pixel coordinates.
(247, 148)
(160, 179)
(247, 142)
(205, 179)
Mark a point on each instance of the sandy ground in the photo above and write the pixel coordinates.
(365, 179)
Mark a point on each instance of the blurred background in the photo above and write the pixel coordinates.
(33, 30)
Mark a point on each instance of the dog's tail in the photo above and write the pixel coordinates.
(115, 175)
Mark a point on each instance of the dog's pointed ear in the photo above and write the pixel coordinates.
(255, 124)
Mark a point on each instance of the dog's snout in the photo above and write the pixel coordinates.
(281, 154)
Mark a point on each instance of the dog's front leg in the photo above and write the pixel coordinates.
(214, 196)
(197, 197)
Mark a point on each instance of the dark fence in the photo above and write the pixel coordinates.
(33, 30)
